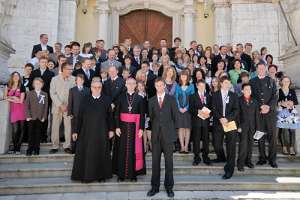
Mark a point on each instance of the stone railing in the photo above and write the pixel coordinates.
(5, 133)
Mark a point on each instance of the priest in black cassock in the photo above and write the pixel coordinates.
(92, 161)
(128, 153)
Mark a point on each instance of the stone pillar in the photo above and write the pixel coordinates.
(189, 12)
(222, 21)
(103, 28)
(67, 21)
(5, 135)
(6, 12)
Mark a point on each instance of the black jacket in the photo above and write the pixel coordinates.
(38, 47)
(195, 105)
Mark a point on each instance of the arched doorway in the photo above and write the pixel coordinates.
(141, 25)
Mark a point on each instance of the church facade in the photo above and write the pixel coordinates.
(261, 22)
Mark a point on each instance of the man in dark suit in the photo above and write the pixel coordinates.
(177, 44)
(162, 111)
(86, 71)
(225, 106)
(244, 57)
(114, 86)
(75, 57)
(46, 75)
(150, 79)
(76, 95)
(42, 46)
(200, 122)
(137, 57)
(221, 56)
(264, 91)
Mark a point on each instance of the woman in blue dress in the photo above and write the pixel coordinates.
(183, 122)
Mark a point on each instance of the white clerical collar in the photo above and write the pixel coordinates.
(115, 78)
(96, 97)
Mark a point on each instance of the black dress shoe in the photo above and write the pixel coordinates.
(250, 165)
(68, 150)
(53, 151)
(241, 169)
(217, 160)
(206, 160)
(36, 152)
(195, 162)
(133, 179)
(101, 180)
(273, 165)
(226, 176)
(170, 193)
(152, 192)
(261, 162)
(28, 153)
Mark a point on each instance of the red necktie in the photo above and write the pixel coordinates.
(160, 102)
(202, 98)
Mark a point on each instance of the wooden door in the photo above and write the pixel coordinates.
(141, 25)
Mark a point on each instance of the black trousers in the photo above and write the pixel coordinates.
(201, 133)
(17, 135)
(230, 140)
(158, 147)
(34, 135)
(287, 137)
(245, 147)
(268, 124)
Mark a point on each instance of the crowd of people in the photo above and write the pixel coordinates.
(118, 104)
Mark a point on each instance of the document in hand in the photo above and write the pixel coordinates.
(230, 126)
(204, 110)
(258, 135)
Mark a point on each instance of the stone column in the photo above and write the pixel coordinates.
(7, 9)
(102, 9)
(5, 135)
(67, 21)
(189, 12)
(222, 21)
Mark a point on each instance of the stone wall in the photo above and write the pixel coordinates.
(32, 17)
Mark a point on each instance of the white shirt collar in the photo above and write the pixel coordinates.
(130, 93)
(96, 97)
(161, 96)
(201, 93)
(38, 92)
(113, 79)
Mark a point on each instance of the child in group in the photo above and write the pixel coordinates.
(141, 89)
(249, 110)
(75, 96)
(36, 113)
(15, 95)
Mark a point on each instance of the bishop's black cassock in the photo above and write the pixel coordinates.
(128, 153)
(92, 159)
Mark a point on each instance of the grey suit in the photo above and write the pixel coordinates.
(107, 63)
(36, 109)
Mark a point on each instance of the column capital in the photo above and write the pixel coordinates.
(221, 4)
(102, 6)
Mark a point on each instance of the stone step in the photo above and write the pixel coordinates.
(59, 169)
(179, 195)
(13, 186)
(61, 157)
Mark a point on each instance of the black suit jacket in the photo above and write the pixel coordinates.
(195, 105)
(150, 88)
(114, 89)
(87, 81)
(47, 77)
(248, 61)
(38, 47)
(249, 114)
(75, 98)
(231, 111)
(163, 119)
(135, 63)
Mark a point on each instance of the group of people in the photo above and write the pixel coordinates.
(118, 104)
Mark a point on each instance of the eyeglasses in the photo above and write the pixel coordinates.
(96, 87)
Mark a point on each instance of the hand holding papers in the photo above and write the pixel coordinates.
(204, 113)
(229, 126)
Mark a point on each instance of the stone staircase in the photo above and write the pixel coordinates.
(50, 174)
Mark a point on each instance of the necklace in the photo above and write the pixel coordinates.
(130, 103)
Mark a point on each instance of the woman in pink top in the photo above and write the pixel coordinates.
(15, 94)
